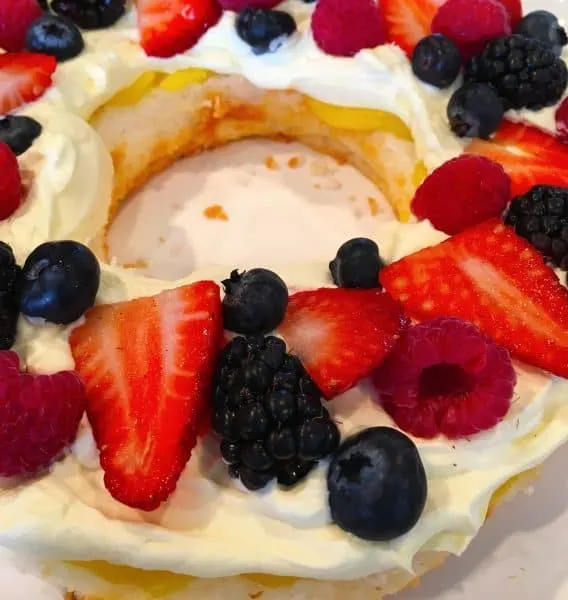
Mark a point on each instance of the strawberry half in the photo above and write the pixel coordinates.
(496, 280)
(408, 21)
(24, 77)
(528, 155)
(147, 365)
(169, 27)
(341, 335)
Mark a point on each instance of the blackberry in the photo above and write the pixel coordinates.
(10, 286)
(90, 14)
(541, 217)
(271, 427)
(524, 72)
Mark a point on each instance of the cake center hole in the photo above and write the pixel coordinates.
(252, 202)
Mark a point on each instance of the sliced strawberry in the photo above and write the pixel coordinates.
(528, 155)
(169, 27)
(496, 280)
(147, 365)
(24, 77)
(341, 335)
(408, 21)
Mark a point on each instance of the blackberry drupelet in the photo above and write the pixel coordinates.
(10, 284)
(269, 414)
(523, 72)
(90, 14)
(541, 217)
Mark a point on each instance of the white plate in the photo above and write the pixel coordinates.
(522, 551)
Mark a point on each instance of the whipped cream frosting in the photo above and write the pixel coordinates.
(200, 530)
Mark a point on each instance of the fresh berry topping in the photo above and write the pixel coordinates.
(24, 77)
(10, 283)
(255, 301)
(56, 36)
(239, 5)
(446, 377)
(514, 9)
(495, 279)
(341, 335)
(15, 18)
(10, 182)
(561, 117)
(528, 155)
(40, 416)
(543, 26)
(60, 283)
(269, 414)
(475, 110)
(541, 216)
(264, 30)
(344, 28)
(436, 60)
(377, 485)
(524, 73)
(408, 21)
(472, 23)
(147, 366)
(168, 28)
(357, 264)
(19, 132)
(90, 14)
(480, 190)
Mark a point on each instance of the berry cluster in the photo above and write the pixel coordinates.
(269, 414)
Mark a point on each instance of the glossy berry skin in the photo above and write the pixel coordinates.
(436, 60)
(543, 26)
(90, 14)
(377, 485)
(19, 132)
(264, 30)
(60, 282)
(10, 182)
(10, 282)
(56, 36)
(255, 301)
(357, 264)
(475, 110)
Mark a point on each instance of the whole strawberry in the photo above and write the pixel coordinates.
(39, 416)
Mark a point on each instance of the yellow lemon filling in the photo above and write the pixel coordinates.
(136, 91)
(177, 81)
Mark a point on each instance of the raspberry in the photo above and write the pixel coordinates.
(343, 28)
(10, 182)
(463, 192)
(446, 377)
(15, 18)
(562, 121)
(39, 416)
(472, 23)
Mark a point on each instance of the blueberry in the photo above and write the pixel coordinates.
(60, 283)
(317, 438)
(255, 301)
(264, 30)
(91, 14)
(282, 444)
(57, 36)
(19, 132)
(252, 421)
(255, 456)
(377, 484)
(543, 26)
(254, 480)
(475, 110)
(436, 60)
(281, 405)
(357, 264)
(291, 472)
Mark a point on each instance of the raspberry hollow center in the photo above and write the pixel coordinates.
(445, 379)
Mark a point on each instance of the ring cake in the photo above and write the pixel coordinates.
(327, 429)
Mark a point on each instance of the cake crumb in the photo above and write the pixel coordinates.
(295, 162)
(322, 168)
(139, 263)
(271, 163)
(216, 211)
(373, 205)
(162, 240)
